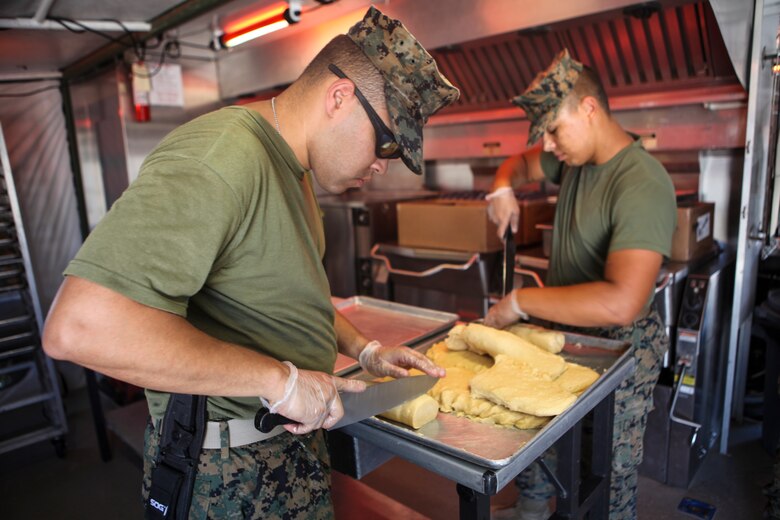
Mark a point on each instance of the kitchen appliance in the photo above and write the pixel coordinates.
(355, 221)
(686, 421)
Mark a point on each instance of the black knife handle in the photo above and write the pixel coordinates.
(265, 421)
(509, 260)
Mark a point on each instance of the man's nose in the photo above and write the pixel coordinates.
(548, 143)
(379, 166)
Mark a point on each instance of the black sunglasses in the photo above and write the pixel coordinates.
(386, 145)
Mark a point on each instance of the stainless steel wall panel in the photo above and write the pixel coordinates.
(35, 134)
(751, 209)
(735, 20)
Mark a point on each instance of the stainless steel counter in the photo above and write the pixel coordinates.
(484, 458)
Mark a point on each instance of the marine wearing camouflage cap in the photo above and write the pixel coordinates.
(543, 97)
(414, 87)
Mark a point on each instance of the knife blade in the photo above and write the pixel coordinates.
(376, 398)
(509, 261)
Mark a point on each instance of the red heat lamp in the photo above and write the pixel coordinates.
(259, 24)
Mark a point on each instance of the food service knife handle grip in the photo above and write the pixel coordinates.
(265, 421)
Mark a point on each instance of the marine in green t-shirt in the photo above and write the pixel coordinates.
(613, 226)
(206, 278)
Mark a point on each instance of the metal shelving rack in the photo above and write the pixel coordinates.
(31, 407)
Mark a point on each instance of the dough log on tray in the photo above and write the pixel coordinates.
(513, 384)
(415, 413)
(440, 354)
(550, 340)
(494, 342)
(454, 396)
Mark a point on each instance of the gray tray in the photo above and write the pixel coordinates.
(390, 323)
(493, 446)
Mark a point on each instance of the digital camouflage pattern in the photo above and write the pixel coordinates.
(633, 403)
(414, 87)
(284, 477)
(542, 99)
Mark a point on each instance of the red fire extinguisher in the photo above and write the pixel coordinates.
(142, 88)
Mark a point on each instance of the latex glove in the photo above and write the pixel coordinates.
(312, 399)
(393, 361)
(505, 312)
(503, 210)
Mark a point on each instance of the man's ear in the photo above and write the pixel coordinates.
(589, 105)
(339, 92)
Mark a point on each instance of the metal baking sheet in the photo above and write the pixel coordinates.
(389, 323)
(494, 446)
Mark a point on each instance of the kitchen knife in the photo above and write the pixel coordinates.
(509, 261)
(377, 398)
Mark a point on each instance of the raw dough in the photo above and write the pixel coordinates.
(487, 340)
(454, 340)
(576, 378)
(454, 396)
(549, 340)
(446, 358)
(415, 413)
(512, 383)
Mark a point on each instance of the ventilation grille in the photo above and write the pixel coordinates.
(674, 47)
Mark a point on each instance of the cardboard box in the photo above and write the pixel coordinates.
(457, 225)
(463, 225)
(693, 234)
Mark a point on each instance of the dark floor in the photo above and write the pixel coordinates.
(35, 484)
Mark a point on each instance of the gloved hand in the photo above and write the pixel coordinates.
(312, 399)
(505, 312)
(503, 210)
(393, 361)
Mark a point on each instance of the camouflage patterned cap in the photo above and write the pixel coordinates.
(414, 87)
(542, 99)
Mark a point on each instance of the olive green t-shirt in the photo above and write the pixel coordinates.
(222, 227)
(626, 203)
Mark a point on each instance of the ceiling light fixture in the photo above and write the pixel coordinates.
(259, 24)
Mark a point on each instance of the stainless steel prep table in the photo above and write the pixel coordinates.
(481, 469)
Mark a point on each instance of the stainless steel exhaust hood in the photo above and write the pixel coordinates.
(493, 48)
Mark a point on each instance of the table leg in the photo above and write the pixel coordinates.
(603, 423)
(98, 418)
(473, 504)
(569, 449)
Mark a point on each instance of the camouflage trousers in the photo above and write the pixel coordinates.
(633, 403)
(284, 477)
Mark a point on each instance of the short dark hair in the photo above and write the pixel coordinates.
(342, 52)
(589, 84)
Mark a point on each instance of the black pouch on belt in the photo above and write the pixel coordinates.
(173, 478)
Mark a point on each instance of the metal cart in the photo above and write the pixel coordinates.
(483, 458)
(30, 403)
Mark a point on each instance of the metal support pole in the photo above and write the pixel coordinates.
(601, 465)
(97, 415)
(473, 504)
(569, 449)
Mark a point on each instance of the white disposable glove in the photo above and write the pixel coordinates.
(394, 361)
(505, 312)
(503, 210)
(312, 399)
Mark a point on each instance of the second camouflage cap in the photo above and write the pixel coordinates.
(542, 99)
(414, 87)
